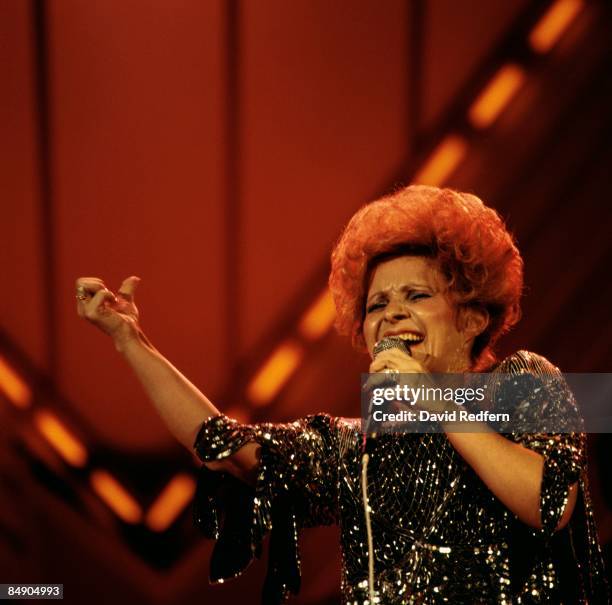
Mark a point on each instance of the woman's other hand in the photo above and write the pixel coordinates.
(116, 315)
(396, 359)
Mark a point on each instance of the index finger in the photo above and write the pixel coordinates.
(91, 284)
(86, 289)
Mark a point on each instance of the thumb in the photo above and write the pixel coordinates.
(128, 287)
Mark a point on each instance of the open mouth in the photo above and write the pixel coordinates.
(410, 337)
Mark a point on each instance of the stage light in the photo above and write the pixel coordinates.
(15, 389)
(60, 438)
(553, 24)
(274, 373)
(442, 162)
(171, 501)
(319, 317)
(496, 95)
(116, 496)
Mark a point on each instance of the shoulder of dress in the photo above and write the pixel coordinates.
(523, 362)
(349, 423)
(332, 422)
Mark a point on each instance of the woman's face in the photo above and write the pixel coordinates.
(406, 298)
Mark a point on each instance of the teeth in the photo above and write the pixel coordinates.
(410, 337)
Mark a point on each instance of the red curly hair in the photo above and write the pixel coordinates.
(473, 249)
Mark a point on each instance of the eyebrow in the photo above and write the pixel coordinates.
(403, 289)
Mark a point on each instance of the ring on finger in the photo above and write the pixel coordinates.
(81, 293)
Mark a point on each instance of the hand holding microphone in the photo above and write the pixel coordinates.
(394, 353)
(390, 357)
(393, 360)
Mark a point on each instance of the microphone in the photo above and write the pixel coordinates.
(391, 342)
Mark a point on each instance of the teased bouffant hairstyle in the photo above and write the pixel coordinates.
(469, 241)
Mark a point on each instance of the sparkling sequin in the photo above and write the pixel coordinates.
(440, 536)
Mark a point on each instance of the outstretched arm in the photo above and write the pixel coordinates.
(181, 405)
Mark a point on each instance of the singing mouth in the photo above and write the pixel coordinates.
(411, 337)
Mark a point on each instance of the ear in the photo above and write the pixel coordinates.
(473, 321)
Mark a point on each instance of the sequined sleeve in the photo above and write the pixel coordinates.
(545, 399)
(295, 488)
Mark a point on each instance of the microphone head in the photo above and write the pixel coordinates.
(391, 342)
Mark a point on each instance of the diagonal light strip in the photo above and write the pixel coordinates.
(498, 93)
(117, 498)
(443, 161)
(13, 386)
(60, 438)
(554, 24)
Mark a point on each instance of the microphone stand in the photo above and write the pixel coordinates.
(367, 446)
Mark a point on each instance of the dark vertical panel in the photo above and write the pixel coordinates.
(46, 185)
(416, 27)
(233, 217)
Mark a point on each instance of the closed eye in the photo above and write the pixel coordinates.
(418, 295)
(411, 296)
(375, 306)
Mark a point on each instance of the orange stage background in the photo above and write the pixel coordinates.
(215, 149)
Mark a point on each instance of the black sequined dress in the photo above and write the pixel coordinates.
(439, 534)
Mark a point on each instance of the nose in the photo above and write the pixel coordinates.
(396, 311)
